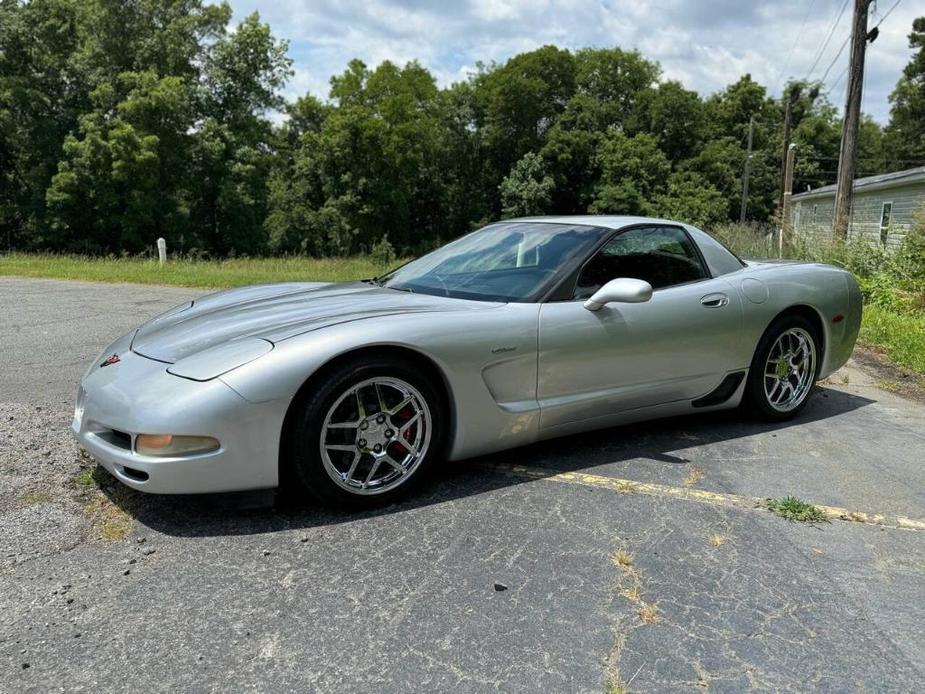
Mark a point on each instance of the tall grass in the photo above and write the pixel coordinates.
(190, 272)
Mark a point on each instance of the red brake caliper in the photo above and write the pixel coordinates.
(403, 416)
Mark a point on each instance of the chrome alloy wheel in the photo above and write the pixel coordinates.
(790, 370)
(375, 435)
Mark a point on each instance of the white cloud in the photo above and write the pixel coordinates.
(706, 44)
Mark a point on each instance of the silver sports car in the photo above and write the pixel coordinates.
(523, 330)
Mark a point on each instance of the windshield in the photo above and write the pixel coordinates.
(509, 261)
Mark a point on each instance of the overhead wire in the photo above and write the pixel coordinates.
(798, 37)
(886, 14)
(828, 38)
(835, 59)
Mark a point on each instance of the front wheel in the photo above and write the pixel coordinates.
(367, 435)
(784, 368)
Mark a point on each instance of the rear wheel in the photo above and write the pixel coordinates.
(784, 368)
(367, 435)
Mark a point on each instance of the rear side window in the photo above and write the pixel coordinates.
(662, 256)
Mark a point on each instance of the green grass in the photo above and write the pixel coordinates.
(215, 274)
(901, 336)
(793, 509)
(84, 478)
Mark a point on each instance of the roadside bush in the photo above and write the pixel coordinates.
(382, 253)
(861, 256)
(910, 258)
(880, 290)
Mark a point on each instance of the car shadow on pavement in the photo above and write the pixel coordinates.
(251, 513)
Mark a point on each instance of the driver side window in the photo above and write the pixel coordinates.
(662, 256)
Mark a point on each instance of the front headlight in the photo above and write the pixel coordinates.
(169, 445)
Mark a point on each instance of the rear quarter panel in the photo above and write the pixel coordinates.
(829, 291)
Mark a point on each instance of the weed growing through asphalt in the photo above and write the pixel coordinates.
(648, 613)
(693, 477)
(622, 558)
(631, 587)
(633, 593)
(717, 540)
(792, 509)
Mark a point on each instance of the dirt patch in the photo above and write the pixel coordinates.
(889, 376)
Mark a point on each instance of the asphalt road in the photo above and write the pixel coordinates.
(662, 587)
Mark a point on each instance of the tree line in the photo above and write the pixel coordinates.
(124, 121)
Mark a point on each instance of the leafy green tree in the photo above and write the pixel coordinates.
(469, 199)
(375, 164)
(690, 198)
(633, 170)
(518, 103)
(120, 183)
(721, 163)
(104, 196)
(675, 116)
(124, 121)
(611, 91)
(231, 155)
(905, 134)
(42, 94)
(818, 139)
(727, 115)
(527, 190)
(167, 37)
(617, 83)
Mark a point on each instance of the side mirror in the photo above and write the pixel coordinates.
(623, 289)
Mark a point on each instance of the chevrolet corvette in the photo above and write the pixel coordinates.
(524, 330)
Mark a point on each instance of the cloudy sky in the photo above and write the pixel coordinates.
(705, 44)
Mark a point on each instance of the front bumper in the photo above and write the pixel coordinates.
(137, 396)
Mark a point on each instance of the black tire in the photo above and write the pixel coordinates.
(756, 398)
(302, 459)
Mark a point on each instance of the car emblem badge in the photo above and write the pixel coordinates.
(114, 359)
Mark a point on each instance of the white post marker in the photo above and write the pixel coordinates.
(161, 251)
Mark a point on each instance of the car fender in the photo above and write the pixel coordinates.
(487, 358)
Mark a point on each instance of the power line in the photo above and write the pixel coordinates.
(883, 18)
(827, 39)
(835, 59)
(845, 71)
(798, 37)
(837, 80)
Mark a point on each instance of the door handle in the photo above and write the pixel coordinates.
(714, 300)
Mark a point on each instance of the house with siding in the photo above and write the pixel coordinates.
(882, 209)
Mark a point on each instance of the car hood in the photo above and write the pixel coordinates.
(276, 312)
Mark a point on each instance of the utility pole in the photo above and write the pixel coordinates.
(847, 163)
(748, 168)
(783, 158)
(786, 223)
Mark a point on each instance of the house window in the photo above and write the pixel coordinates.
(886, 216)
(815, 209)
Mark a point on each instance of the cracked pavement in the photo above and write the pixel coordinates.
(217, 593)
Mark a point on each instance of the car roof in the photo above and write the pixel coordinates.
(606, 221)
